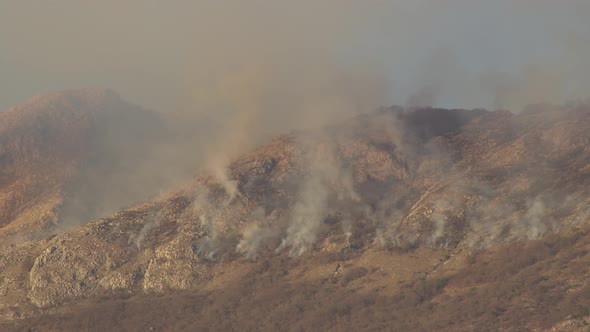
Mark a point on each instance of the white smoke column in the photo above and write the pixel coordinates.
(253, 241)
(207, 246)
(145, 229)
(438, 222)
(535, 220)
(218, 165)
(347, 228)
(379, 240)
(255, 236)
(210, 219)
(307, 217)
(438, 219)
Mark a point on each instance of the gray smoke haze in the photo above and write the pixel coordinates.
(236, 73)
(167, 55)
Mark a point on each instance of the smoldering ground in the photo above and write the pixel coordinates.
(425, 196)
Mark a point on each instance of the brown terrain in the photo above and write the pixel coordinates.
(400, 219)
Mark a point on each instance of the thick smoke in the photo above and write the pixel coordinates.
(255, 237)
(322, 190)
(211, 212)
(259, 102)
(307, 217)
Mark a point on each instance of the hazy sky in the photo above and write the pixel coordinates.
(168, 54)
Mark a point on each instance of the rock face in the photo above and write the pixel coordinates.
(472, 218)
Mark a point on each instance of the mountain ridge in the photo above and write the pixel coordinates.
(475, 218)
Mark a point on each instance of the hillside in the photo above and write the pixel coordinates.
(400, 219)
(72, 156)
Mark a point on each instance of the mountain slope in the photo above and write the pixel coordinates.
(61, 152)
(425, 219)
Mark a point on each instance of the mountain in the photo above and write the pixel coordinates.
(72, 156)
(400, 219)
